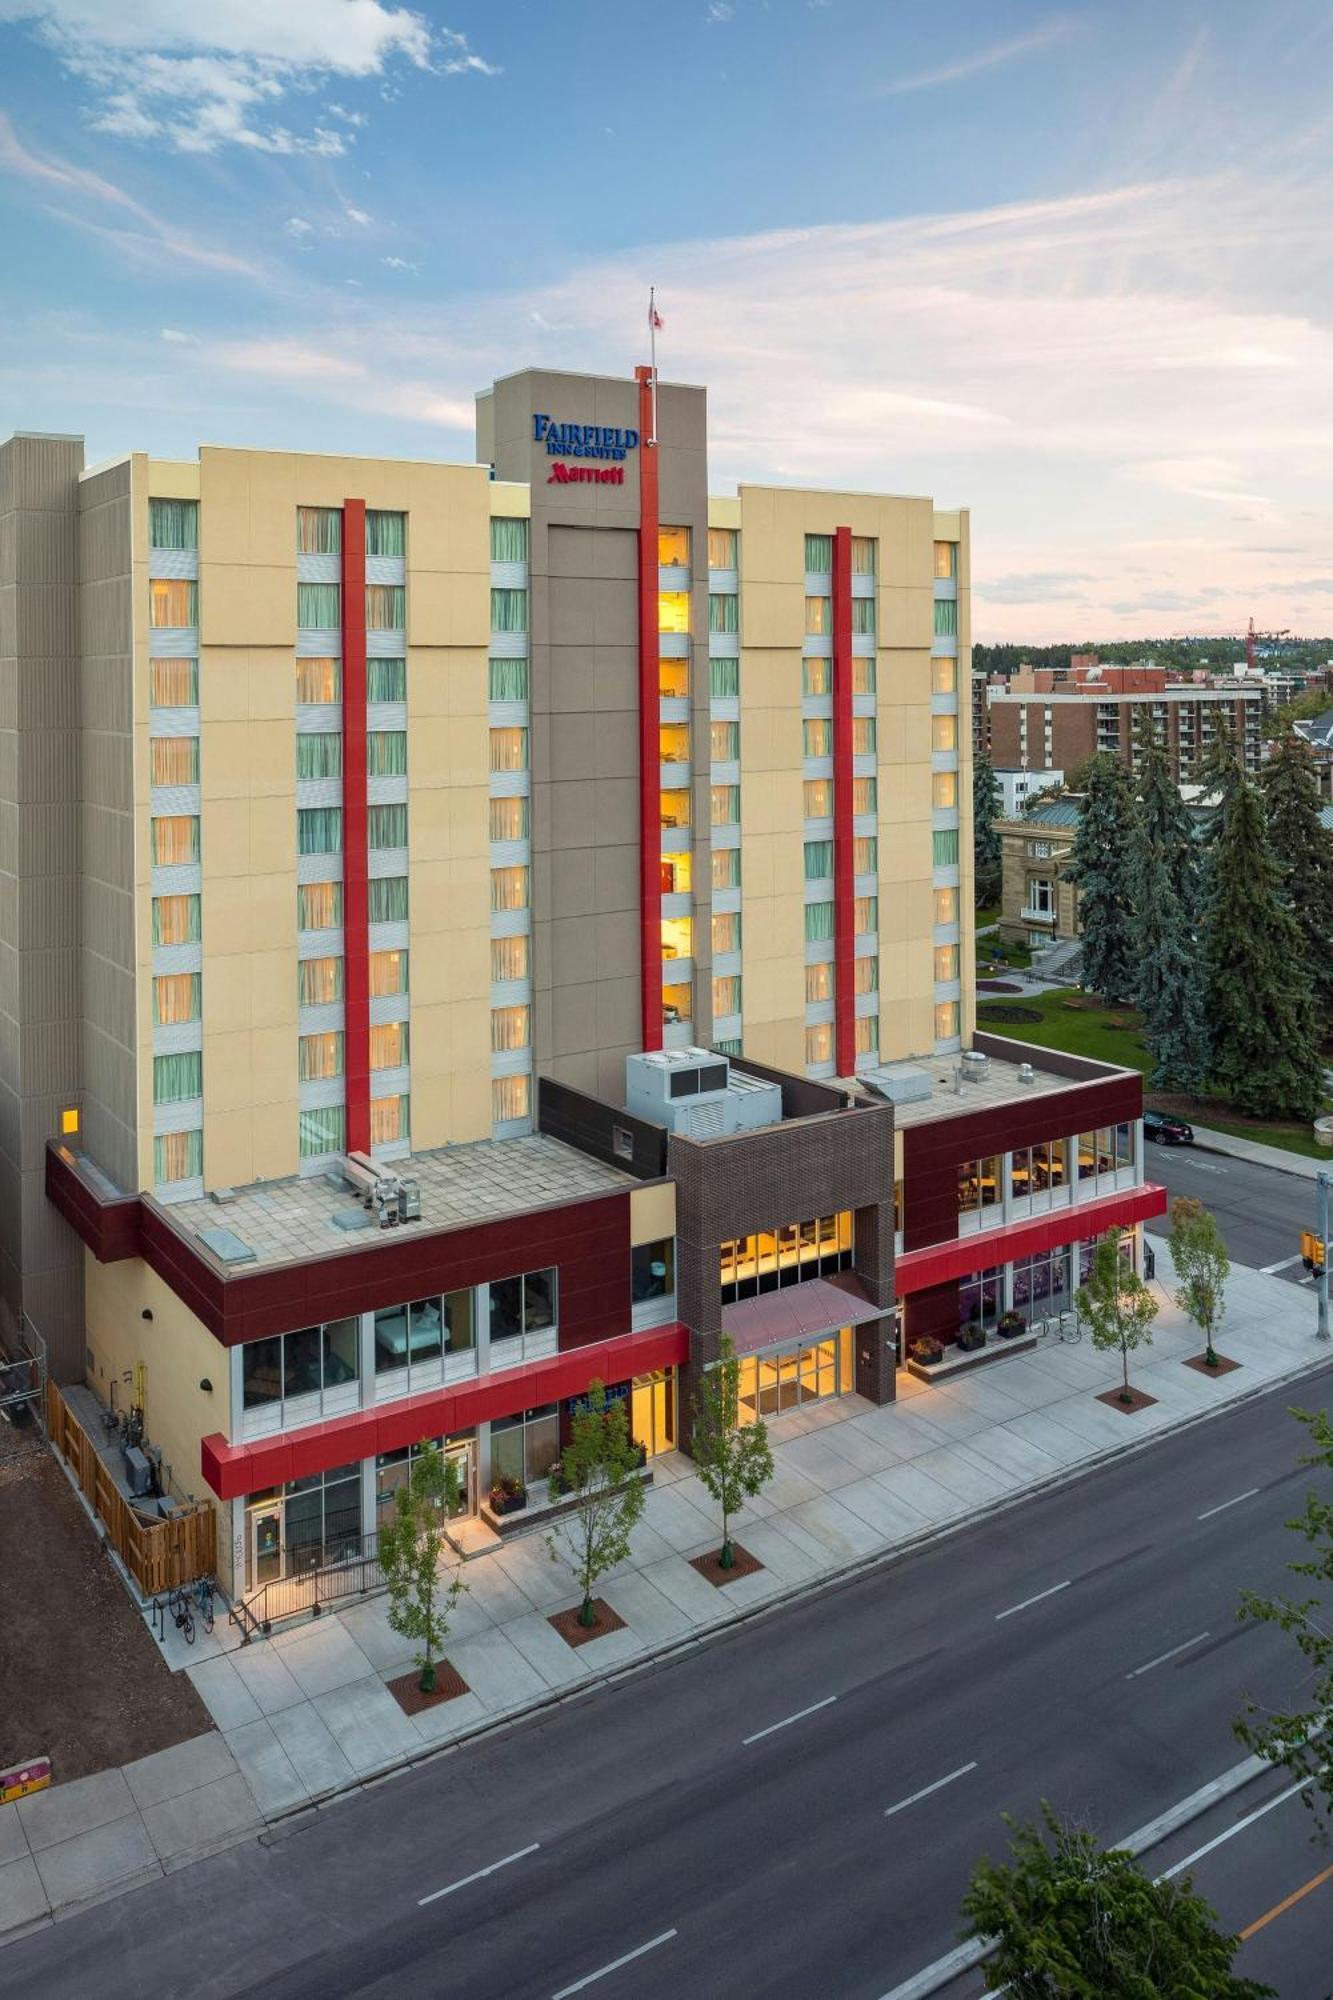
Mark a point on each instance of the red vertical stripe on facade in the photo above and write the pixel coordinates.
(650, 802)
(356, 888)
(844, 874)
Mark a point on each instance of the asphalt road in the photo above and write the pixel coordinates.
(793, 1808)
(1261, 1210)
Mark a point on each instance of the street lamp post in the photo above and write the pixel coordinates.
(1325, 1181)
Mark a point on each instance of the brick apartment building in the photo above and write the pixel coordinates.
(1043, 719)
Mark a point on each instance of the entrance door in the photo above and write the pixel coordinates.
(266, 1542)
(464, 1456)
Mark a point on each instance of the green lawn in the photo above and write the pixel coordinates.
(990, 915)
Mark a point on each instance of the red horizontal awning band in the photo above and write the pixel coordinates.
(232, 1470)
(938, 1263)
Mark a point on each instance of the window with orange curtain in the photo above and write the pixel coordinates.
(175, 760)
(321, 1057)
(321, 981)
(388, 973)
(509, 959)
(819, 615)
(175, 683)
(510, 1098)
(318, 682)
(175, 841)
(818, 798)
(819, 1043)
(509, 1029)
(176, 998)
(867, 1034)
(863, 735)
(178, 1156)
(509, 749)
(865, 795)
(175, 920)
(509, 889)
(388, 1045)
(319, 906)
(721, 548)
(173, 603)
(385, 607)
(390, 1120)
(509, 819)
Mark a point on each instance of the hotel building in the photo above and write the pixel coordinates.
(589, 854)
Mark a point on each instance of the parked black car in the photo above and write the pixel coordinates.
(1167, 1130)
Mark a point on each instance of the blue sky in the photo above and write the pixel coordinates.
(1066, 265)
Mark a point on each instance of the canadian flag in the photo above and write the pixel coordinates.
(655, 320)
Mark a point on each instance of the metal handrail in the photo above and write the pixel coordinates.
(309, 1591)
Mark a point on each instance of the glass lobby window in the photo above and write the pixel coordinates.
(175, 841)
(509, 538)
(865, 854)
(677, 874)
(319, 830)
(863, 735)
(863, 676)
(509, 749)
(509, 959)
(388, 1045)
(722, 548)
(322, 1131)
(724, 679)
(725, 805)
(176, 920)
(173, 524)
(725, 867)
(677, 1004)
(944, 676)
(865, 915)
(174, 683)
(386, 607)
(321, 1057)
(319, 606)
(520, 1306)
(818, 860)
(673, 610)
(509, 610)
(945, 847)
(818, 922)
(509, 889)
(507, 680)
(509, 1029)
(177, 1079)
(677, 937)
(674, 808)
(726, 996)
(318, 682)
(173, 602)
(386, 753)
(819, 554)
(946, 618)
(319, 755)
(817, 736)
(863, 616)
(946, 962)
(726, 931)
(819, 616)
(865, 795)
(944, 791)
(386, 826)
(865, 559)
(176, 998)
(175, 760)
(386, 680)
(319, 906)
(319, 531)
(673, 547)
(386, 534)
(652, 1271)
(946, 1020)
(673, 742)
(724, 742)
(509, 819)
(388, 973)
(178, 1156)
(867, 975)
(320, 981)
(510, 1098)
(979, 1297)
(946, 906)
(724, 612)
(979, 1185)
(944, 732)
(816, 677)
(785, 1256)
(946, 560)
(819, 1043)
(390, 1120)
(817, 794)
(673, 679)
(818, 984)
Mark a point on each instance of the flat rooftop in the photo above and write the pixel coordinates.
(285, 1221)
(999, 1083)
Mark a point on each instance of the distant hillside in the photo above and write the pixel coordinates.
(1214, 653)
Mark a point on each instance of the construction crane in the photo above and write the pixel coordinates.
(1250, 638)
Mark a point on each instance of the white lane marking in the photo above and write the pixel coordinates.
(1033, 1600)
(614, 1966)
(1240, 1826)
(787, 1720)
(1148, 1665)
(1202, 1167)
(436, 1894)
(926, 1790)
(1271, 1270)
(1223, 1505)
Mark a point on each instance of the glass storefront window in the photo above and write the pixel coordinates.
(979, 1297)
(1041, 1284)
(772, 1384)
(525, 1447)
(393, 1470)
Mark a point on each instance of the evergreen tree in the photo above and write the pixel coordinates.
(1101, 866)
(988, 860)
(1303, 846)
(1266, 1057)
(1169, 990)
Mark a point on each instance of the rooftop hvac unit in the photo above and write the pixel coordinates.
(390, 1199)
(696, 1093)
(973, 1065)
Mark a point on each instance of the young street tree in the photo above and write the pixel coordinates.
(599, 1464)
(1101, 867)
(1117, 1306)
(1266, 1056)
(410, 1549)
(1070, 1920)
(988, 859)
(1303, 847)
(733, 1459)
(1202, 1268)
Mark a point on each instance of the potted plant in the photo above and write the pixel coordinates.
(1010, 1324)
(557, 1481)
(508, 1495)
(972, 1336)
(928, 1351)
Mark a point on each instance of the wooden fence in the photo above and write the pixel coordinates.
(159, 1555)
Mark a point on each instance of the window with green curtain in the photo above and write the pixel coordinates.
(724, 613)
(865, 795)
(319, 531)
(724, 742)
(863, 615)
(319, 906)
(946, 847)
(319, 982)
(319, 830)
(386, 680)
(818, 922)
(863, 735)
(946, 618)
(865, 915)
(726, 867)
(818, 860)
(816, 677)
(865, 854)
(386, 753)
(509, 679)
(176, 920)
(319, 755)
(728, 1048)
(509, 610)
(176, 998)
(388, 899)
(863, 676)
(320, 1057)
(817, 733)
(386, 534)
(387, 826)
(323, 1131)
(178, 1156)
(173, 524)
(724, 679)
(819, 554)
(509, 540)
(176, 1079)
(386, 607)
(319, 606)
(726, 805)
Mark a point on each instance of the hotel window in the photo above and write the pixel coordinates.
(865, 915)
(867, 975)
(386, 826)
(178, 1156)
(318, 682)
(677, 937)
(726, 931)
(865, 795)
(818, 796)
(507, 680)
(509, 819)
(817, 736)
(819, 554)
(386, 680)
(945, 844)
(175, 683)
(175, 760)
(521, 1306)
(173, 524)
(673, 743)
(509, 959)
(818, 984)
(386, 753)
(979, 1184)
(944, 676)
(944, 790)
(177, 1079)
(721, 548)
(388, 899)
(725, 864)
(673, 610)
(176, 998)
(725, 805)
(175, 842)
(388, 1045)
(386, 607)
(388, 973)
(391, 1123)
(867, 1034)
(322, 1131)
(319, 830)
(818, 922)
(726, 996)
(674, 809)
(176, 920)
(863, 676)
(819, 1043)
(510, 1029)
(677, 874)
(946, 962)
(946, 1020)
(319, 605)
(673, 547)
(864, 558)
(946, 906)
(724, 742)
(321, 1057)
(509, 889)
(946, 560)
(863, 615)
(319, 531)
(724, 679)
(386, 534)
(819, 860)
(677, 1004)
(172, 602)
(509, 610)
(319, 906)
(816, 677)
(673, 679)
(863, 736)
(819, 615)
(944, 732)
(510, 1098)
(865, 854)
(509, 538)
(320, 981)
(319, 755)
(724, 612)
(946, 618)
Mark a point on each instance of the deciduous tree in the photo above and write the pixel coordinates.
(599, 1466)
(1202, 1268)
(1100, 865)
(411, 1546)
(733, 1460)
(1117, 1306)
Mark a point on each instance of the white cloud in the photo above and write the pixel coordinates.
(1058, 29)
(357, 215)
(719, 10)
(298, 227)
(399, 264)
(175, 338)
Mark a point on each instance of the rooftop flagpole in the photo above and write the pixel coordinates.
(654, 321)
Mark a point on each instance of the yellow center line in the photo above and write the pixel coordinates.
(1286, 1903)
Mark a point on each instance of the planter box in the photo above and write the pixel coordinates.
(955, 1363)
(538, 1511)
(971, 1339)
(511, 1503)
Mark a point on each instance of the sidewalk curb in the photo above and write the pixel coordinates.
(1299, 1165)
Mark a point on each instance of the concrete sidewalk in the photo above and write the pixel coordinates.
(1261, 1156)
(306, 1714)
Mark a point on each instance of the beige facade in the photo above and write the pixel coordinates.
(1038, 900)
